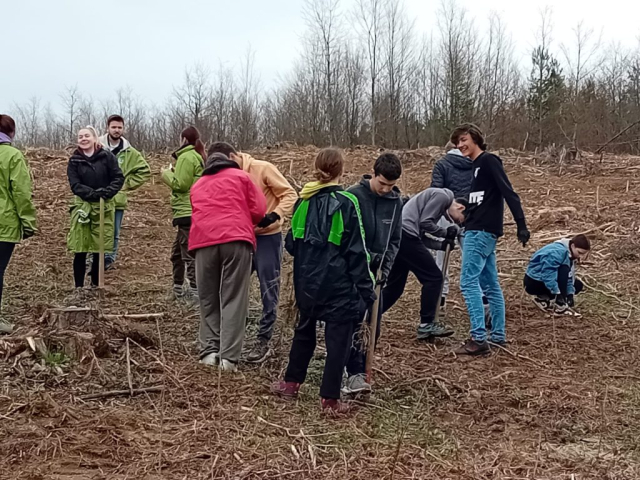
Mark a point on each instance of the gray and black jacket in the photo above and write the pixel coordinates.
(380, 215)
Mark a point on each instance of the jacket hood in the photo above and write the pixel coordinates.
(104, 140)
(457, 160)
(217, 162)
(311, 188)
(181, 150)
(246, 161)
(394, 194)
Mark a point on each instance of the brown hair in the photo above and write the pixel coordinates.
(329, 164)
(581, 241)
(473, 131)
(7, 125)
(222, 147)
(115, 118)
(192, 135)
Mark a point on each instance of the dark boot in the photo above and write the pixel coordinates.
(471, 347)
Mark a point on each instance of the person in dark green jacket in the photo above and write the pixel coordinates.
(17, 213)
(188, 169)
(331, 278)
(136, 173)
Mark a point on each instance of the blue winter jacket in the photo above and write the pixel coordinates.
(546, 262)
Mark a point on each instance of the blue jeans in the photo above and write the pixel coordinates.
(109, 258)
(479, 274)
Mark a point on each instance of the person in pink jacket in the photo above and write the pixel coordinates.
(226, 208)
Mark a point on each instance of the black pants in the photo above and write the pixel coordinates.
(534, 287)
(337, 336)
(415, 257)
(80, 269)
(6, 250)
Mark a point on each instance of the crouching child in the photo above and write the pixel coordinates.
(331, 277)
(550, 276)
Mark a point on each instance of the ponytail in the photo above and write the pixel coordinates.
(192, 135)
(200, 148)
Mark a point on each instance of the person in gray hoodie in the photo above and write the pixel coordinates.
(420, 233)
(381, 208)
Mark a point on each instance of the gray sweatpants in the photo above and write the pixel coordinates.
(223, 275)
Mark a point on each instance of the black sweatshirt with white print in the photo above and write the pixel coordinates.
(489, 190)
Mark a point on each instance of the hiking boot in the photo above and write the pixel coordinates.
(259, 353)
(542, 303)
(211, 359)
(501, 342)
(356, 384)
(433, 330)
(176, 293)
(5, 327)
(471, 347)
(334, 407)
(285, 389)
(228, 366)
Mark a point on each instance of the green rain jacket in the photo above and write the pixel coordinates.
(134, 167)
(188, 170)
(17, 212)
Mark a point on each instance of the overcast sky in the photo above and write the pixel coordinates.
(146, 44)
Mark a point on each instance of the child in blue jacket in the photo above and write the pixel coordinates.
(550, 276)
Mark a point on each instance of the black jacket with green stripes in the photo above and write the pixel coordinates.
(330, 262)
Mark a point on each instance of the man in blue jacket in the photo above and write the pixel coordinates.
(550, 276)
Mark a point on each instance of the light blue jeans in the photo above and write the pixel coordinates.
(479, 274)
(109, 258)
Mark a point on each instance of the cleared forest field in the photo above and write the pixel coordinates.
(562, 402)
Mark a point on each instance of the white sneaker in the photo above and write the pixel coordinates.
(228, 366)
(211, 359)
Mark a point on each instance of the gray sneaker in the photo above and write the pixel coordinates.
(5, 327)
(433, 330)
(259, 353)
(356, 384)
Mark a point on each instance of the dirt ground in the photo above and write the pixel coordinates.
(562, 402)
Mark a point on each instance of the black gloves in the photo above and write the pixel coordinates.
(570, 301)
(523, 233)
(450, 242)
(101, 193)
(268, 219)
(27, 234)
(382, 280)
(452, 232)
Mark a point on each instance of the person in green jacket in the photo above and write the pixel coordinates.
(136, 173)
(189, 165)
(17, 213)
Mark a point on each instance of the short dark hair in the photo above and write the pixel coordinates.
(7, 125)
(581, 241)
(388, 165)
(115, 118)
(222, 147)
(472, 130)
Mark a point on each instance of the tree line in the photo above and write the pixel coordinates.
(365, 76)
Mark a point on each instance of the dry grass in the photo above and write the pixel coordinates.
(563, 403)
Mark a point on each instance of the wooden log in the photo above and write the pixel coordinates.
(119, 393)
(134, 316)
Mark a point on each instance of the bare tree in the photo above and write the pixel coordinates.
(71, 99)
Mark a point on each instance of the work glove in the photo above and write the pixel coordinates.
(523, 233)
(448, 242)
(452, 232)
(27, 234)
(570, 301)
(382, 281)
(561, 300)
(268, 219)
(100, 192)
